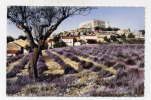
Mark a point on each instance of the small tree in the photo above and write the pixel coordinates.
(90, 41)
(109, 29)
(113, 38)
(123, 37)
(10, 39)
(74, 40)
(106, 39)
(38, 23)
(59, 44)
(118, 36)
(129, 30)
(131, 35)
(28, 48)
(142, 31)
(116, 29)
(56, 39)
(22, 37)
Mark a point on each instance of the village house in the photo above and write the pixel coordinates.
(104, 35)
(100, 37)
(138, 35)
(50, 42)
(16, 47)
(124, 31)
(88, 37)
(93, 24)
(69, 40)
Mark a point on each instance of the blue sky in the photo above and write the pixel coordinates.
(122, 17)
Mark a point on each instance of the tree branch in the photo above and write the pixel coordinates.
(54, 27)
(28, 34)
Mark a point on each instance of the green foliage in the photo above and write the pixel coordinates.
(45, 46)
(75, 40)
(129, 30)
(135, 41)
(61, 34)
(97, 28)
(82, 41)
(22, 37)
(91, 41)
(123, 37)
(106, 39)
(56, 39)
(10, 39)
(109, 29)
(27, 47)
(59, 44)
(131, 35)
(113, 38)
(84, 33)
(115, 29)
(142, 31)
(118, 36)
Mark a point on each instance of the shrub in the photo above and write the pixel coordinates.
(87, 65)
(131, 35)
(18, 67)
(75, 59)
(91, 41)
(95, 59)
(121, 73)
(139, 90)
(41, 65)
(113, 38)
(10, 39)
(14, 87)
(130, 62)
(82, 62)
(96, 69)
(106, 39)
(69, 70)
(141, 65)
(109, 63)
(119, 66)
(15, 58)
(59, 44)
(121, 55)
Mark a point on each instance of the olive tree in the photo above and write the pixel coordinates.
(38, 23)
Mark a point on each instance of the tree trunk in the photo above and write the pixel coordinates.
(33, 72)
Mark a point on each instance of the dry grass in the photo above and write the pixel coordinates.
(68, 61)
(110, 69)
(24, 72)
(53, 67)
(12, 65)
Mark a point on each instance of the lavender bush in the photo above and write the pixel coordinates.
(18, 67)
(14, 58)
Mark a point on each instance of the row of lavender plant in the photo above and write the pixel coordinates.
(84, 64)
(14, 58)
(17, 68)
(68, 69)
(109, 54)
(127, 82)
(41, 66)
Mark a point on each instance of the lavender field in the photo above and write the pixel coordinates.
(87, 70)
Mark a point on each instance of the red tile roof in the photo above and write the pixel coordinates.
(69, 37)
(12, 51)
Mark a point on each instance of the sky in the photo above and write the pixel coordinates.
(121, 17)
